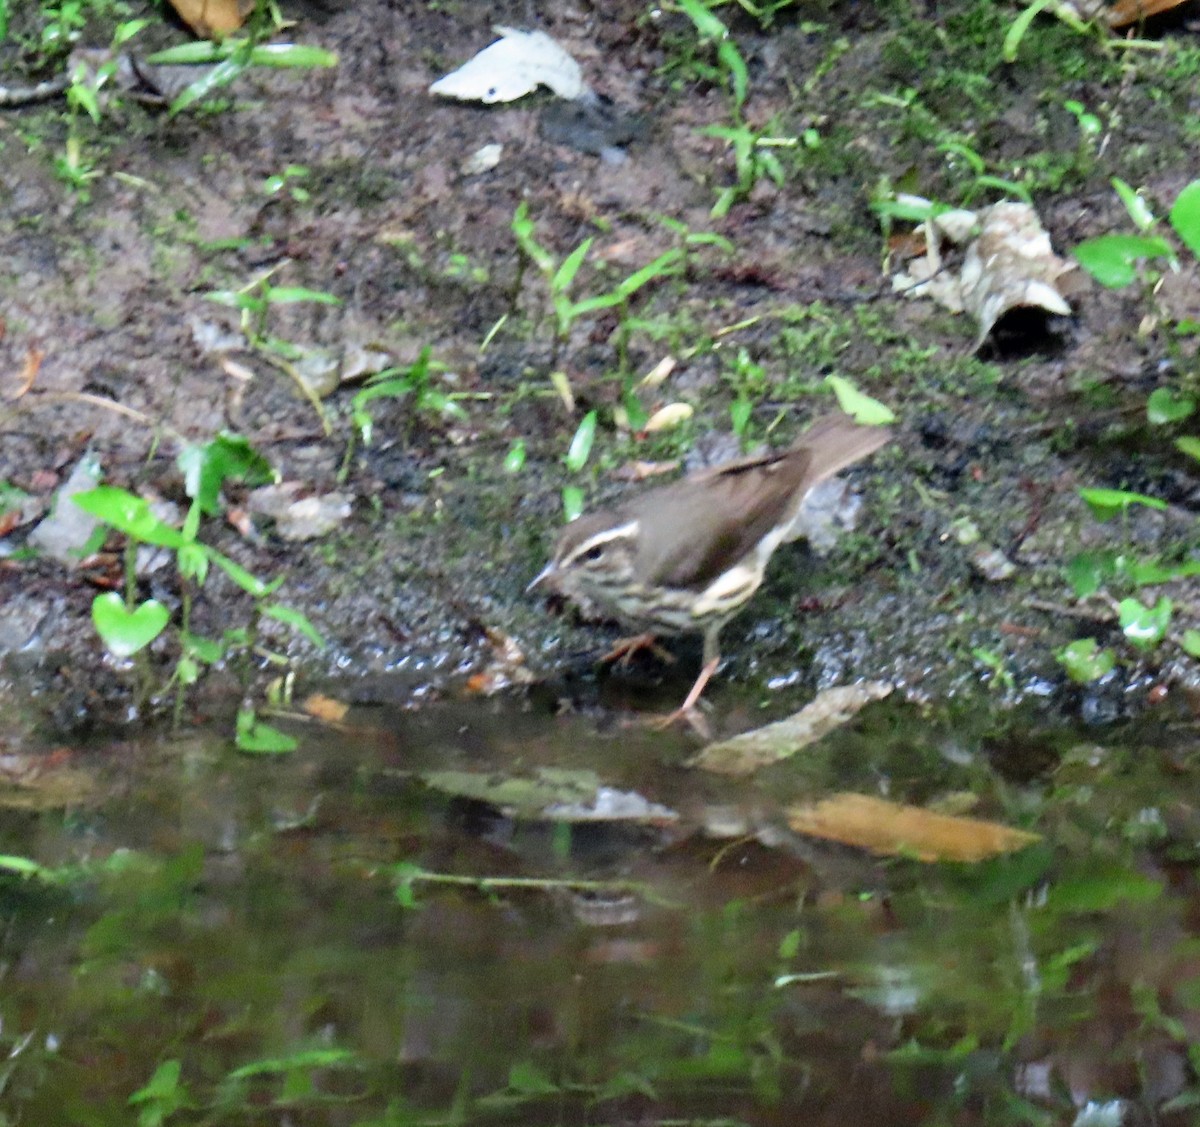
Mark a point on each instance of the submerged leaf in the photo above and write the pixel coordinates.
(891, 829)
(748, 752)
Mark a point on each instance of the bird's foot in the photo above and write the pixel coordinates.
(689, 712)
(624, 648)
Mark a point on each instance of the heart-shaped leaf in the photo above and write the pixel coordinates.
(1164, 406)
(259, 738)
(1142, 625)
(123, 631)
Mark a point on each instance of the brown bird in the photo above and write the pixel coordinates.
(684, 558)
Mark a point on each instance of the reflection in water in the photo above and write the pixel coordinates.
(229, 939)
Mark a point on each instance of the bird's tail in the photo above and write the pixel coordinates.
(836, 441)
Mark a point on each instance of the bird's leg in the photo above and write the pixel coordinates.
(624, 648)
(688, 711)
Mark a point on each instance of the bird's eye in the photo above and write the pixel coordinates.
(593, 554)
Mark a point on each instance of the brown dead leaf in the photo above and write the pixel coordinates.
(890, 829)
(212, 19)
(326, 709)
(1125, 12)
(746, 753)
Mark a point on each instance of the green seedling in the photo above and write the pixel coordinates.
(164, 1095)
(996, 664)
(254, 302)
(712, 31)
(1108, 503)
(1116, 260)
(514, 460)
(753, 159)
(1019, 28)
(981, 180)
(575, 459)
(560, 280)
(126, 625)
(415, 381)
(286, 183)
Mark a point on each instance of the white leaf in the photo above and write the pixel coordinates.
(513, 66)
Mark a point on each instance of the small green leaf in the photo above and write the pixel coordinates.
(740, 411)
(514, 460)
(228, 457)
(125, 31)
(1085, 661)
(1144, 626)
(858, 405)
(291, 56)
(1106, 503)
(128, 513)
(247, 581)
(220, 75)
(1164, 406)
(565, 274)
(581, 443)
(293, 295)
(708, 26)
(1189, 446)
(289, 616)
(125, 632)
(739, 76)
(526, 1078)
(1112, 259)
(572, 499)
(1087, 572)
(1191, 642)
(26, 868)
(523, 229)
(255, 736)
(663, 266)
(192, 561)
(1018, 29)
(1139, 210)
(1185, 216)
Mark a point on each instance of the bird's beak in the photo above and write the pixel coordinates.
(546, 573)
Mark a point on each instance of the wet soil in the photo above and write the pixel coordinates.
(103, 293)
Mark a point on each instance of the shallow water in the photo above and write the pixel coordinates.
(249, 933)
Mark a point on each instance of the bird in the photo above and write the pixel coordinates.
(684, 558)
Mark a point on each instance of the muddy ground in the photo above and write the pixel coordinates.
(430, 568)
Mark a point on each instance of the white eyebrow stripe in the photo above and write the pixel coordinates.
(621, 532)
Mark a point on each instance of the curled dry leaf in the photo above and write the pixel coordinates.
(891, 829)
(1010, 264)
(746, 753)
(515, 65)
(211, 19)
